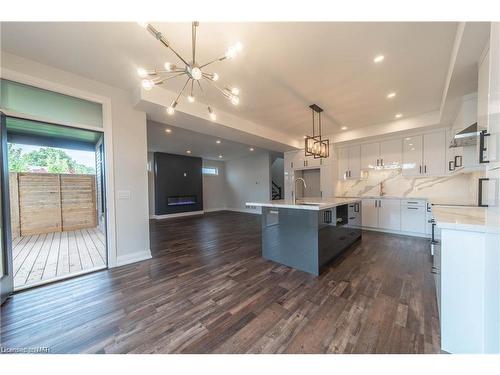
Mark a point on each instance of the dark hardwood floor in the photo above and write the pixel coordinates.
(207, 290)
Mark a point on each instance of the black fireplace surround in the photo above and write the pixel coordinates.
(178, 183)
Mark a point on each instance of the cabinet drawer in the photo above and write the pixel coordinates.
(413, 203)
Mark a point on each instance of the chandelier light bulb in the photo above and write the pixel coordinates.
(234, 90)
(143, 24)
(196, 73)
(191, 98)
(238, 46)
(235, 100)
(147, 84)
(231, 52)
(170, 110)
(215, 77)
(168, 66)
(141, 72)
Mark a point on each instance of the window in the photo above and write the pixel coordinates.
(212, 171)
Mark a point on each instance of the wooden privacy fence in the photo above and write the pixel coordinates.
(46, 202)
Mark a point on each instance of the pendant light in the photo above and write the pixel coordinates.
(314, 145)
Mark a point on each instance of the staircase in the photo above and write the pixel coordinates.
(276, 191)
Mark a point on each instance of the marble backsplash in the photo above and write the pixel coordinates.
(459, 188)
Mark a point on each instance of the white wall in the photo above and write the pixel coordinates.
(214, 187)
(129, 153)
(248, 179)
(151, 184)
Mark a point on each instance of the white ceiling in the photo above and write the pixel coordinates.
(284, 67)
(179, 140)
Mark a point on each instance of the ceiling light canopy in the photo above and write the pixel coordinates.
(196, 73)
(315, 145)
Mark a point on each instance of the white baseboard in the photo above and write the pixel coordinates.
(215, 209)
(180, 214)
(122, 260)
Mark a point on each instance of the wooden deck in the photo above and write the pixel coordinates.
(45, 257)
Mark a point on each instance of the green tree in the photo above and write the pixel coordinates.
(17, 161)
(53, 159)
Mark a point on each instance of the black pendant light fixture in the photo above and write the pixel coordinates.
(314, 144)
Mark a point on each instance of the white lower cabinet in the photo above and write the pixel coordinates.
(395, 215)
(390, 214)
(413, 218)
(369, 213)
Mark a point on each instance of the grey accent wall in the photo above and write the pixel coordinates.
(177, 176)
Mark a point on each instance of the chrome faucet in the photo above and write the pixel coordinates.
(295, 186)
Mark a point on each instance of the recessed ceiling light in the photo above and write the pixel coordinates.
(217, 141)
(343, 128)
(378, 58)
(391, 95)
(251, 148)
(188, 151)
(398, 115)
(220, 156)
(168, 130)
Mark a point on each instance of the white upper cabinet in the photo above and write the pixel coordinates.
(343, 163)
(370, 155)
(354, 162)
(381, 154)
(349, 163)
(483, 88)
(434, 154)
(391, 153)
(425, 155)
(326, 178)
(412, 156)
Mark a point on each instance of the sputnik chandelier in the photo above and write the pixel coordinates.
(315, 145)
(194, 71)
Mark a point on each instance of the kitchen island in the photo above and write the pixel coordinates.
(308, 233)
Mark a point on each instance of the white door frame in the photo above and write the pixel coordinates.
(107, 130)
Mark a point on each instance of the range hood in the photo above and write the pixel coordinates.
(466, 137)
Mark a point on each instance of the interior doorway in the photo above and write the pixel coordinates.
(57, 201)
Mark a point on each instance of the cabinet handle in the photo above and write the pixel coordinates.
(425, 168)
(482, 148)
(420, 169)
(378, 162)
(451, 165)
(291, 164)
(375, 203)
(356, 207)
(381, 162)
(412, 208)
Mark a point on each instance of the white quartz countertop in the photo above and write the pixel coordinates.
(314, 204)
(460, 217)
